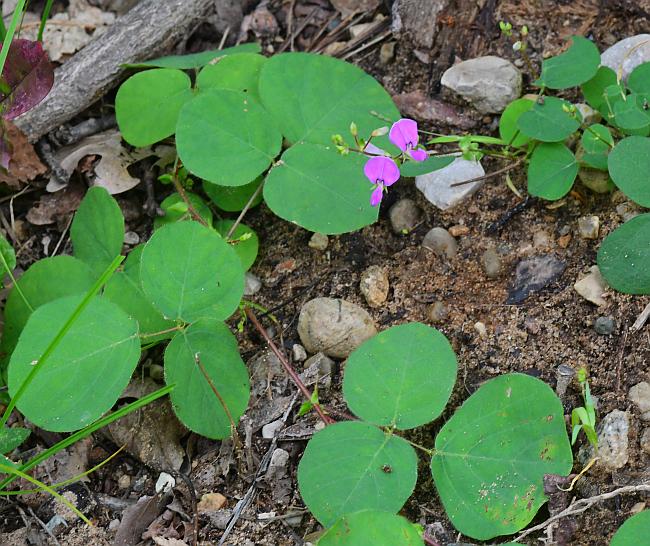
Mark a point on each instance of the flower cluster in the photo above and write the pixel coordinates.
(382, 170)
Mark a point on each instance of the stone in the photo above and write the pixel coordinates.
(589, 115)
(374, 285)
(640, 395)
(252, 284)
(404, 216)
(534, 274)
(588, 227)
(645, 441)
(597, 181)
(417, 105)
(613, 440)
(491, 262)
(358, 30)
(604, 325)
(270, 429)
(459, 230)
(387, 53)
(334, 326)
(318, 369)
(564, 375)
(437, 185)
(437, 312)
(131, 238)
(277, 466)
(319, 241)
(489, 83)
(211, 502)
(418, 19)
(165, 483)
(625, 55)
(592, 287)
(541, 239)
(298, 352)
(627, 211)
(441, 242)
(481, 330)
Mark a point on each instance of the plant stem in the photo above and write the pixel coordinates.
(244, 211)
(489, 175)
(292, 373)
(13, 279)
(44, 16)
(161, 332)
(181, 191)
(9, 35)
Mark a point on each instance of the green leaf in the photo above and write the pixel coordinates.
(226, 137)
(402, 377)
(176, 209)
(321, 190)
(576, 65)
(354, 466)
(8, 254)
(196, 60)
(633, 531)
(45, 281)
(372, 528)
(210, 344)
(313, 97)
(629, 164)
(432, 163)
(233, 198)
(624, 256)
(630, 116)
(188, 271)
(11, 438)
(86, 372)
(508, 129)
(97, 231)
(239, 72)
(547, 121)
(247, 248)
(551, 171)
(491, 456)
(639, 79)
(125, 289)
(596, 142)
(148, 103)
(594, 89)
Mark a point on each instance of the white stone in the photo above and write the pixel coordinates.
(252, 284)
(627, 54)
(592, 287)
(588, 227)
(437, 186)
(165, 483)
(489, 83)
(269, 430)
(613, 440)
(640, 395)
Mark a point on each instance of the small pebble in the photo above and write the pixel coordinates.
(627, 211)
(114, 524)
(124, 481)
(404, 216)
(645, 441)
(437, 312)
(131, 238)
(387, 53)
(299, 353)
(269, 430)
(374, 285)
(278, 465)
(491, 262)
(481, 329)
(457, 231)
(564, 240)
(604, 325)
(564, 375)
(541, 239)
(440, 241)
(252, 284)
(157, 372)
(592, 287)
(319, 241)
(588, 227)
(640, 395)
(210, 502)
(613, 440)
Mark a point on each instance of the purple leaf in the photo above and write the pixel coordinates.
(26, 79)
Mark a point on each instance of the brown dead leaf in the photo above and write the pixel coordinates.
(350, 7)
(56, 207)
(24, 164)
(136, 519)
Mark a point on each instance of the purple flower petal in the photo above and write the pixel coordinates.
(381, 170)
(374, 150)
(418, 155)
(404, 134)
(376, 196)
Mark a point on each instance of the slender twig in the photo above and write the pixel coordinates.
(224, 38)
(322, 29)
(292, 373)
(181, 192)
(63, 234)
(489, 175)
(365, 46)
(244, 211)
(195, 513)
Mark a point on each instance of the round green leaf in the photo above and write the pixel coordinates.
(402, 377)
(629, 164)
(313, 97)
(226, 137)
(635, 530)
(372, 528)
(594, 89)
(125, 290)
(508, 129)
(45, 281)
(576, 65)
(630, 116)
(354, 466)
(551, 171)
(207, 343)
(11, 438)
(176, 209)
(247, 248)
(148, 103)
(432, 163)
(87, 371)
(233, 198)
(97, 231)
(491, 456)
(188, 271)
(596, 142)
(624, 256)
(321, 190)
(639, 79)
(547, 121)
(235, 72)
(8, 255)
(196, 60)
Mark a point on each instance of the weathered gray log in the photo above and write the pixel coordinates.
(148, 30)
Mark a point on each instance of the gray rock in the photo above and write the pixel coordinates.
(645, 441)
(489, 83)
(374, 285)
(588, 227)
(269, 430)
(564, 374)
(418, 18)
(333, 326)
(278, 465)
(404, 216)
(592, 287)
(534, 274)
(319, 241)
(131, 238)
(597, 181)
(437, 186)
(627, 54)
(440, 241)
(613, 440)
(640, 395)
(627, 211)
(437, 312)
(318, 369)
(604, 325)
(252, 284)
(299, 353)
(589, 115)
(491, 262)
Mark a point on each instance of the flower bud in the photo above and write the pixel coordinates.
(353, 129)
(524, 30)
(379, 132)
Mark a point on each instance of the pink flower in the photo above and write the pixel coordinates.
(382, 172)
(404, 134)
